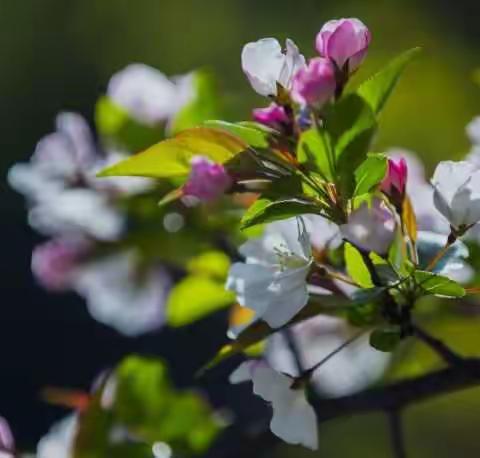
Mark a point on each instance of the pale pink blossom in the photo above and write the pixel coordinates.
(315, 84)
(207, 181)
(272, 116)
(345, 42)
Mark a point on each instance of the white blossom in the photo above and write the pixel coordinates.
(457, 192)
(355, 367)
(370, 228)
(265, 65)
(58, 442)
(293, 418)
(272, 281)
(120, 295)
(147, 94)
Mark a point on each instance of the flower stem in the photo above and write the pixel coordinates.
(397, 434)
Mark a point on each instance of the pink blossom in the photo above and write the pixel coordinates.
(394, 183)
(207, 180)
(272, 116)
(315, 84)
(54, 262)
(345, 42)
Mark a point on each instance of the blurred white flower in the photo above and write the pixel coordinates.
(77, 211)
(147, 94)
(7, 441)
(355, 367)
(293, 418)
(457, 192)
(272, 281)
(452, 264)
(61, 159)
(370, 228)
(119, 294)
(58, 442)
(265, 65)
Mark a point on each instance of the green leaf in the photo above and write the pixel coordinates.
(172, 157)
(313, 151)
(370, 173)
(214, 264)
(438, 285)
(356, 267)
(195, 297)
(385, 339)
(204, 104)
(377, 89)
(148, 405)
(254, 137)
(116, 126)
(351, 125)
(265, 211)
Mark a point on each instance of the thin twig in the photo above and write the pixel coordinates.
(396, 434)
(445, 352)
(294, 350)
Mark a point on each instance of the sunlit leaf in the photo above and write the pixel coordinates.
(195, 297)
(356, 267)
(370, 173)
(313, 151)
(438, 285)
(211, 263)
(172, 157)
(254, 137)
(265, 211)
(377, 89)
(409, 219)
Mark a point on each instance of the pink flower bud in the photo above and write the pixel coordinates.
(272, 116)
(315, 84)
(345, 42)
(393, 185)
(54, 262)
(207, 180)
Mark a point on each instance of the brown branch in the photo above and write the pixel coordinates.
(446, 353)
(396, 433)
(399, 395)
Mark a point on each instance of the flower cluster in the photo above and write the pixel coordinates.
(339, 243)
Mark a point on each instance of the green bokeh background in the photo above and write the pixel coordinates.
(59, 54)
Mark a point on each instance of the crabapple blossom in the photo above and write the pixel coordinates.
(147, 94)
(122, 296)
(272, 116)
(293, 419)
(207, 181)
(315, 84)
(272, 281)
(7, 442)
(395, 181)
(370, 228)
(345, 42)
(354, 368)
(457, 193)
(59, 441)
(54, 262)
(265, 65)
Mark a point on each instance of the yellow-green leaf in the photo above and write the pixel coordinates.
(172, 157)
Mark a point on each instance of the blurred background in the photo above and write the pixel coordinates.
(59, 55)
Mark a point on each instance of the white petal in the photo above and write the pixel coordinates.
(118, 295)
(294, 61)
(262, 62)
(59, 441)
(295, 422)
(147, 94)
(270, 385)
(242, 373)
(77, 211)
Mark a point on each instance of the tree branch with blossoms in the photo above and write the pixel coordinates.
(323, 274)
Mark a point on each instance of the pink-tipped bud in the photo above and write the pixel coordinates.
(315, 84)
(394, 183)
(54, 262)
(272, 116)
(207, 180)
(345, 42)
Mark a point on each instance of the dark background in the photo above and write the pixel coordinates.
(59, 54)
